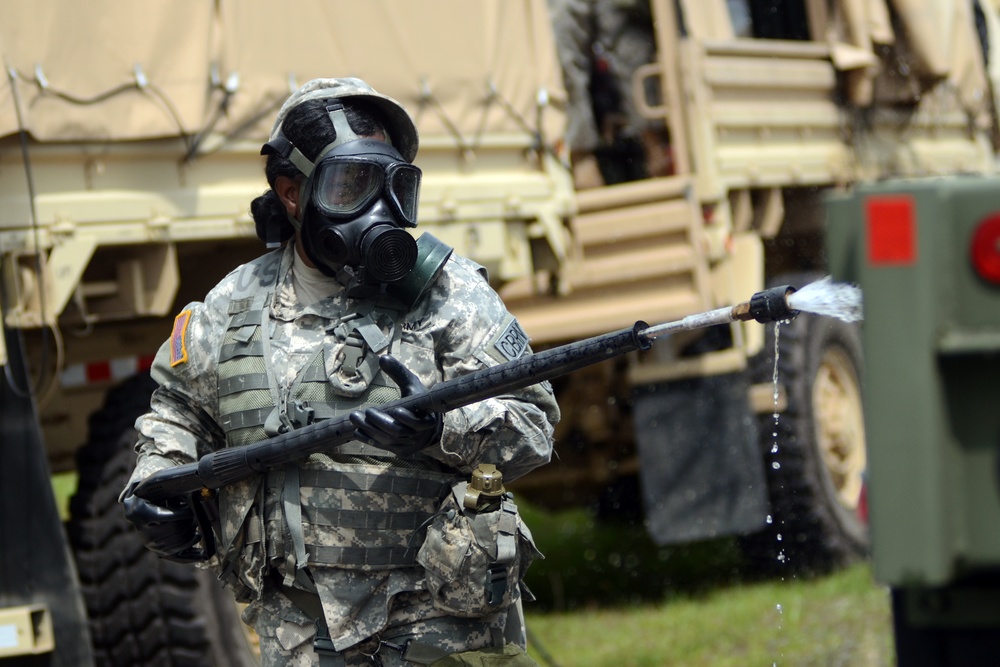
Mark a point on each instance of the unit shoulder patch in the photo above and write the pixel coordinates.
(178, 339)
(511, 342)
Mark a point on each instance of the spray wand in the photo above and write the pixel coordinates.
(193, 481)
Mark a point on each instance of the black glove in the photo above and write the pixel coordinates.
(399, 430)
(169, 532)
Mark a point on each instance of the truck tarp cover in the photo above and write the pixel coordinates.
(105, 70)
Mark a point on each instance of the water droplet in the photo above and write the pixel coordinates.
(778, 606)
(774, 447)
(776, 465)
(779, 537)
(770, 519)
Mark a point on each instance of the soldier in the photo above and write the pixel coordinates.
(366, 554)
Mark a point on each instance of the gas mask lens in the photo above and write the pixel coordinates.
(347, 185)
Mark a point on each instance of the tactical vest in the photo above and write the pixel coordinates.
(358, 507)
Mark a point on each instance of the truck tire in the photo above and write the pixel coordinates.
(814, 453)
(143, 611)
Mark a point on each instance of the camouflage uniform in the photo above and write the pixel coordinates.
(324, 353)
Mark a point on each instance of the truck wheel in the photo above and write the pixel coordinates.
(142, 610)
(814, 453)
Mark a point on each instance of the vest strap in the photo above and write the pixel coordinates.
(315, 373)
(366, 520)
(239, 305)
(319, 411)
(372, 335)
(507, 532)
(310, 604)
(248, 349)
(244, 318)
(296, 559)
(360, 481)
(247, 382)
(245, 419)
(375, 557)
(356, 448)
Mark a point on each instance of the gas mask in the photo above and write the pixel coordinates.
(360, 199)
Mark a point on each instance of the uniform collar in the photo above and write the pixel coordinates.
(286, 305)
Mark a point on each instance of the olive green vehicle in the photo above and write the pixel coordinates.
(926, 252)
(130, 152)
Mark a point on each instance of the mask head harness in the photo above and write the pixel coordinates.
(360, 195)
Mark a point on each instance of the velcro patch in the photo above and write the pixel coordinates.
(178, 339)
(511, 341)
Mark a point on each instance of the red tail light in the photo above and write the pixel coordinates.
(984, 251)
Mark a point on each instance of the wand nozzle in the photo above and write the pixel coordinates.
(770, 305)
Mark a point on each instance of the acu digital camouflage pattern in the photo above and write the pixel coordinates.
(455, 328)
(287, 633)
(475, 560)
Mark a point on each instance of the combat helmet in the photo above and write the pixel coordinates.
(402, 131)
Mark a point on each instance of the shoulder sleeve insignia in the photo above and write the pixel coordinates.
(511, 342)
(178, 339)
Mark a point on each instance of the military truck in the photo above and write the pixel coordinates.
(926, 253)
(130, 153)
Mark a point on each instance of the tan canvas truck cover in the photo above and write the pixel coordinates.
(941, 43)
(109, 71)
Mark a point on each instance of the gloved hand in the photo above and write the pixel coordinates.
(169, 532)
(399, 430)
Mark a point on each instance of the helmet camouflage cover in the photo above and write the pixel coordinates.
(402, 131)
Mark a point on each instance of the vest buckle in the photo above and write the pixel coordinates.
(300, 414)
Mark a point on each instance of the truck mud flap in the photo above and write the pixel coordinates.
(35, 564)
(701, 469)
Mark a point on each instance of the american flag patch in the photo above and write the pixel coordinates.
(178, 339)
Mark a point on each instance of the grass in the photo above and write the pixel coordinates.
(63, 486)
(840, 619)
(608, 596)
(590, 563)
